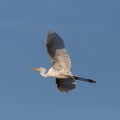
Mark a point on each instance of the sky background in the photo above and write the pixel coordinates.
(91, 33)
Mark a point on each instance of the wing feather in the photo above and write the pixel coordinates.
(57, 52)
(65, 85)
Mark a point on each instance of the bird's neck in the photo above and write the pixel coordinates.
(43, 73)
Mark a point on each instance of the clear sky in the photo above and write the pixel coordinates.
(91, 32)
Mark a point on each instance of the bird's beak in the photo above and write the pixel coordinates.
(36, 69)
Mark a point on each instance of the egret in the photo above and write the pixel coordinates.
(61, 64)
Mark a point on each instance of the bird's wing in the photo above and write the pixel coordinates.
(65, 85)
(57, 52)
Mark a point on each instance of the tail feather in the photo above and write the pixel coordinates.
(85, 79)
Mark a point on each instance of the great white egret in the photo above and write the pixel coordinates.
(61, 64)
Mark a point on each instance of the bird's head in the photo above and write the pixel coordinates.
(41, 70)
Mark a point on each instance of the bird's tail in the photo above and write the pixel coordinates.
(85, 79)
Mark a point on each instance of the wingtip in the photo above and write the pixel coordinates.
(49, 31)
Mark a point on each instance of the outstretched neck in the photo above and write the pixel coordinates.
(43, 73)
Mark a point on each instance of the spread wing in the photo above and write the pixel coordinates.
(57, 52)
(65, 85)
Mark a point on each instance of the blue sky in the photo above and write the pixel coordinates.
(91, 32)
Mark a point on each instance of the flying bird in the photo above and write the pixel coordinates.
(61, 64)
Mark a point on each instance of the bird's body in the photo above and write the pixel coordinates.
(61, 64)
(53, 73)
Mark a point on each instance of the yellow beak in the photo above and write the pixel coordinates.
(36, 69)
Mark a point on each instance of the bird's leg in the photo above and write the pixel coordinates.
(84, 79)
(71, 77)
